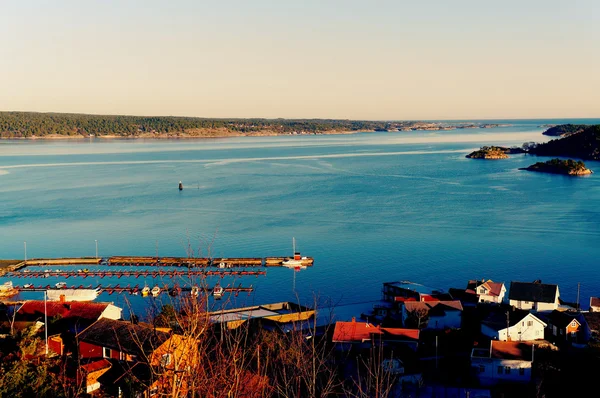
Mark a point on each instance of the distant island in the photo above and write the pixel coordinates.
(558, 166)
(494, 152)
(564, 130)
(32, 125)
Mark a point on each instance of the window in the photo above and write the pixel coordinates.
(521, 371)
(529, 323)
(165, 360)
(507, 370)
(106, 352)
(500, 369)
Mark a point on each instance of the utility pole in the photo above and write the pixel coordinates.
(46, 319)
(507, 325)
(436, 352)
(25, 244)
(578, 283)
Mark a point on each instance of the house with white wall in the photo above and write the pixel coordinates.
(515, 325)
(487, 291)
(503, 361)
(535, 296)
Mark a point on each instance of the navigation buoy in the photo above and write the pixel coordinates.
(180, 186)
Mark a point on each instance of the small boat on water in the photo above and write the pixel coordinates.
(61, 285)
(180, 186)
(155, 291)
(174, 291)
(222, 264)
(28, 285)
(145, 291)
(218, 291)
(195, 291)
(296, 261)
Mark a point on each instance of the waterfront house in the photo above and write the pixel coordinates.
(278, 313)
(363, 335)
(594, 304)
(535, 296)
(487, 291)
(567, 327)
(512, 325)
(502, 362)
(434, 315)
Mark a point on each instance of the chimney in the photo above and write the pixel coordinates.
(353, 319)
(62, 298)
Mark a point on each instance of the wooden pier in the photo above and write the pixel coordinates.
(136, 273)
(145, 261)
(171, 290)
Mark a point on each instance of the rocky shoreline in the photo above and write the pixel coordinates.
(557, 166)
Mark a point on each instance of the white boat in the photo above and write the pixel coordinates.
(155, 291)
(28, 285)
(218, 291)
(145, 291)
(222, 264)
(61, 285)
(296, 261)
(195, 291)
(7, 289)
(73, 294)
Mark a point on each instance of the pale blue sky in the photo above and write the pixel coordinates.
(325, 59)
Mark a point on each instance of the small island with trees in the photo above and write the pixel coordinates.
(494, 152)
(558, 166)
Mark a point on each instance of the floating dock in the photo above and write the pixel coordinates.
(172, 290)
(136, 273)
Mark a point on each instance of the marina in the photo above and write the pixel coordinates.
(172, 290)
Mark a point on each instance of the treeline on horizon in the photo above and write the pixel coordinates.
(28, 124)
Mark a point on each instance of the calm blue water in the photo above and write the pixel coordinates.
(369, 207)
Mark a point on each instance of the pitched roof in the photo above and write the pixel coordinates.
(532, 291)
(440, 306)
(562, 319)
(494, 288)
(363, 331)
(123, 336)
(594, 301)
(34, 310)
(96, 365)
(497, 318)
(512, 350)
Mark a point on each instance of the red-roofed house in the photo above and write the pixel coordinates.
(487, 291)
(349, 334)
(73, 316)
(432, 314)
(503, 361)
(89, 373)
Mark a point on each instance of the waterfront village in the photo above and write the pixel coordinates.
(482, 339)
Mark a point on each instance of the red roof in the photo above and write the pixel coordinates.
(594, 302)
(363, 331)
(512, 350)
(96, 365)
(72, 309)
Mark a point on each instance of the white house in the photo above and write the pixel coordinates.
(432, 314)
(534, 296)
(503, 361)
(487, 291)
(513, 326)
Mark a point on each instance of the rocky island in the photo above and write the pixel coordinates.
(584, 144)
(493, 152)
(564, 130)
(558, 166)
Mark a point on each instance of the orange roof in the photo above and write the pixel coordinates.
(512, 350)
(427, 306)
(363, 331)
(96, 365)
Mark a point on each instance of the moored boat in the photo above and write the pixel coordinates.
(218, 291)
(295, 262)
(195, 291)
(155, 291)
(145, 291)
(7, 289)
(73, 294)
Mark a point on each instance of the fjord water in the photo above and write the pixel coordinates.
(369, 207)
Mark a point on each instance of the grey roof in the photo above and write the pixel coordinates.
(532, 291)
(123, 336)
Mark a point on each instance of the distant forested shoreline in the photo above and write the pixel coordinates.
(70, 125)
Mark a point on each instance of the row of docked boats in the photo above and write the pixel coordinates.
(217, 291)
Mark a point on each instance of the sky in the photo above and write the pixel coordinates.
(379, 60)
